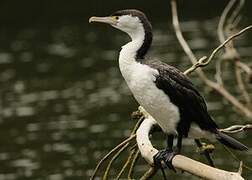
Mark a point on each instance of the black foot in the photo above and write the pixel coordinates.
(164, 159)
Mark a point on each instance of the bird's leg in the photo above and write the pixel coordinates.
(170, 139)
(205, 152)
(164, 157)
(179, 144)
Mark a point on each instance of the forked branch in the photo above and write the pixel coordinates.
(205, 61)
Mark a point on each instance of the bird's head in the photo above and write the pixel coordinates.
(134, 23)
(130, 21)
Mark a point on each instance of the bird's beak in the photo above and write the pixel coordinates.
(108, 20)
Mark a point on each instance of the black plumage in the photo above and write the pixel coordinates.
(184, 95)
(191, 105)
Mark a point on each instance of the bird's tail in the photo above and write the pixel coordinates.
(229, 141)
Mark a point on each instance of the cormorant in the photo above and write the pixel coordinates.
(162, 90)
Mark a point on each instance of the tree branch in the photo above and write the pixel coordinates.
(180, 162)
(217, 87)
(236, 128)
(201, 62)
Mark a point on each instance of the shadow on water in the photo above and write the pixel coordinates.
(64, 103)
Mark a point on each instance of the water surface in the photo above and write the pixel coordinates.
(64, 103)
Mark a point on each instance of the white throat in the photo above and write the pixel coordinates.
(127, 56)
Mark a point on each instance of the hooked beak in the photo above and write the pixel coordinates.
(108, 20)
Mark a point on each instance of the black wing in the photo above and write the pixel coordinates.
(183, 94)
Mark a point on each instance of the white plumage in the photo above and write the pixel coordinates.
(140, 79)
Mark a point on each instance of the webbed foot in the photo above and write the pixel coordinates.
(164, 158)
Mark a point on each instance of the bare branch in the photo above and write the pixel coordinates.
(241, 84)
(217, 87)
(245, 68)
(223, 17)
(195, 66)
(118, 153)
(218, 74)
(202, 63)
(236, 128)
(180, 162)
(240, 168)
(133, 163)
(148, 174)
(224, 43)
(247, 112)
(118, 147)
(234, 18)
(129, 159)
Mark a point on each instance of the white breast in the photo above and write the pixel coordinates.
(140, 79)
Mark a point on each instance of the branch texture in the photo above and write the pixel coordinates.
(180, 162)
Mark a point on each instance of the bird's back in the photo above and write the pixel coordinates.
(184, 95)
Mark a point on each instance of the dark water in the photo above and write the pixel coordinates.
(64, 104)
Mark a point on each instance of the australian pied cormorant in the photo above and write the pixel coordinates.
(162, 90)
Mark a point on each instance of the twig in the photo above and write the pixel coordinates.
(218, 88)
(140, 120)
(129, 159)
(245, 67)
(119, 148)
(221, 35)
(240, 168)
(149, 174)
(196, 65)
(234, 18)
(236, 128)
(220, 29)
(133, 163)
(105, 176)
(236, 158)
(202, 63)
(241, 84)
(218, 74)
(122, 144)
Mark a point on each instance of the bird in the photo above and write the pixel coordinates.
(167, 94)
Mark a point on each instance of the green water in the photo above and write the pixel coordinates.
(64, 104)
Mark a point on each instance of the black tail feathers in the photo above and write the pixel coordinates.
(230, 142)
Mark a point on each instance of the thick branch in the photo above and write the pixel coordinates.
(180, 162)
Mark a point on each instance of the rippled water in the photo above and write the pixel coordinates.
(64, 104)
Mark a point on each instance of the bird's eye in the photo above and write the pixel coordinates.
(116, 17)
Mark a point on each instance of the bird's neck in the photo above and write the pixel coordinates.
(137, 48)
(128, 59)
(129, 52)
(133, 52)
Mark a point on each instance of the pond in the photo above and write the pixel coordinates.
(64, 103)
